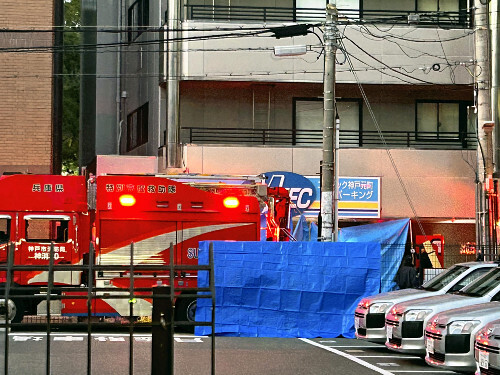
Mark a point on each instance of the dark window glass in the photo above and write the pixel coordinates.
(46, 230)
(138, 19)
(4, 230)
(439, 120)
(137, 127)
(483, 285)
(440, 281)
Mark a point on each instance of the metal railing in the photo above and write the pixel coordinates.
(456, 19)
(162, 319)
(314, 138)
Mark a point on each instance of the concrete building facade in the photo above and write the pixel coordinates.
(197, 83)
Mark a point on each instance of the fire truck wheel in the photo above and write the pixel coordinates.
(17, 308)
(185, 310)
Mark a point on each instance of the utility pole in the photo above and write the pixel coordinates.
(328, 181)
(484, 115)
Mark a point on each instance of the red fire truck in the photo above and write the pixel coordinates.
(111, 212)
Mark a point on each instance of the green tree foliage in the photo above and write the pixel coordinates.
(71, 87)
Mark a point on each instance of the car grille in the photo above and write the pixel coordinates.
(375, 320)
(362, 331)
(412, 330)
(487, 348)
(438, 357)
(359, 315)
(457, 344)
(395, 341)
(433, 335)
(490, 371)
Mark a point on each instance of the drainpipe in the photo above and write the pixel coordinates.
(173, 70)
(118, 79)
(57, 88)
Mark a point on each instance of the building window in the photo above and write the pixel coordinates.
(443, 120)
(137, 127)
(4, 229)
(138, 19)
(47, 229)
(308, 121)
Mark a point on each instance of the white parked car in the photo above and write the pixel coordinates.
(450, 335)
(405, 322)
(369, 317)
(487, 349)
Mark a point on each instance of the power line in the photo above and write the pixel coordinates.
(388, 151)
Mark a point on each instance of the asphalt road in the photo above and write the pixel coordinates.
(242, 356)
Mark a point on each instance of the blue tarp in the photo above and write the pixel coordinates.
(301, 231)
(288, 289)
(392, 236)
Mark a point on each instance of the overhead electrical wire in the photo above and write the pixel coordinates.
(382, 138)
(381, 62)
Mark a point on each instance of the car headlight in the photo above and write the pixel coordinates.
(380, 307)
(363, 303)
(462, 327)
(414, 315)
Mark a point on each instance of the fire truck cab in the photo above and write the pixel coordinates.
(37, 212)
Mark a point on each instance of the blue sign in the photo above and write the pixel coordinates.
(301, 189)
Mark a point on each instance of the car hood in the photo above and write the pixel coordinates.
(400, 295)
(487, 311)
(444, 302)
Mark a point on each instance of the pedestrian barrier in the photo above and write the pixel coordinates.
(161, 323)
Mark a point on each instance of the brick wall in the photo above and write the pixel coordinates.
(26, 87)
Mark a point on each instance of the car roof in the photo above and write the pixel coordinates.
(479, 264)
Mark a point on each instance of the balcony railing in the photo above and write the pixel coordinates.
(314, 138)
(456, 19)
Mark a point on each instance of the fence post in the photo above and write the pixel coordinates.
(162, 361)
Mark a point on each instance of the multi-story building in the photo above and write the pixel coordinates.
(30, 96)
(200, 84)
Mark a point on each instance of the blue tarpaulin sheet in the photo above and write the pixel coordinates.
(392, 236)
(287, 289)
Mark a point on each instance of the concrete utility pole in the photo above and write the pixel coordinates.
(484, 115)
(328, 181)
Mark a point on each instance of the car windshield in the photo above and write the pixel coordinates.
(483, 285)
(444, 278)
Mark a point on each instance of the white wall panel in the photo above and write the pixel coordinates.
(440, 183)
(241, 59)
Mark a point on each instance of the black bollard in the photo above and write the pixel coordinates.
(162, 361)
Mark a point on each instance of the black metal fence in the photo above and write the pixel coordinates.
(455, 19)
(314, 138)
(161, 324)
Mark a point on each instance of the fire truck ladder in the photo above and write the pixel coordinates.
(162, 323)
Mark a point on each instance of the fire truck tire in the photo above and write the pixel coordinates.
(18, 307)
(185, 310)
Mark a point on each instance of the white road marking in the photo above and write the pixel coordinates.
(348, 356)
(68, 338)
(97, 334)
(355, 351)
(191, 339)
(113, 337)
(353, 346)
(388, 364)
(386, 356)
(328, 341)
(426, 371)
